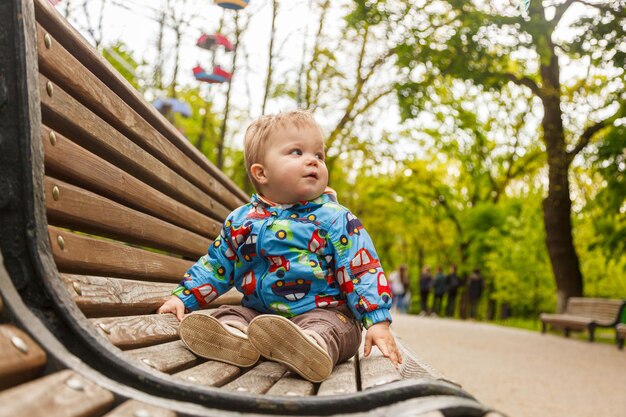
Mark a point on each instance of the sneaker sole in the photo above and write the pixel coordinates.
(278, 339)
(206, 337)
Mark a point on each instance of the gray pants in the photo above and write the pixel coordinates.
(337, 327)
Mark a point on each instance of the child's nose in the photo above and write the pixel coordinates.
(312, 160)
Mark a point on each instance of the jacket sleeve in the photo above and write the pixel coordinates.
(358, 270)
(210, 276)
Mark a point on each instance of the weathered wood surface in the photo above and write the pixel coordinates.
(259, 379)
(86, 255)
(168, 357)
(210, 373)
(77, 209)
(67, 160)
(413, 368)
(98, 98)
(63, 393)
(71, 40)
(21, 358)
(102, 296)
(138, 331)
(342, 381)
(67, 116)
(134, 408)
(292, 384)
(376, 369)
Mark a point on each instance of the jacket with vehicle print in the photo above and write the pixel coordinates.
(289, 259)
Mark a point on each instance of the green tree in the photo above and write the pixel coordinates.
(123, 61)
(467, 41)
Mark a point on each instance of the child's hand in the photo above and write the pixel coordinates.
(173, 305)
(380, 335)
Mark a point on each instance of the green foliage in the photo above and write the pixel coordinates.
(203, 125)
(609, 205)
(516, 260)
(123, 61)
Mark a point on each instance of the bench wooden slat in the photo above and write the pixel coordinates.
(602, 311)
(63, 393)
(259, 379)
(103, 296)
(411, 368)
(58, 27)
(89, 256)
(74, 208)
(376, 369)
(95, 95)
(133, 408)
(70, 162)
(341, 381)
(167, 357)
(292, 385)
(21, 359)
(210, 373)
(138, 331)
(67, 116)
(567, 320)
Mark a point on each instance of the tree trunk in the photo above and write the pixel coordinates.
(270, 58)
(557, 205)
(222, 138)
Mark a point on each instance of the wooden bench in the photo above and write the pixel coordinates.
(584, 314)
(620, 335)
(104, 207)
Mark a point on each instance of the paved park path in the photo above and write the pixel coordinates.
(519, 372)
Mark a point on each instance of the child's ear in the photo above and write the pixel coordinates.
(258, 173)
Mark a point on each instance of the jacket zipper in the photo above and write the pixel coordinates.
(264, 227)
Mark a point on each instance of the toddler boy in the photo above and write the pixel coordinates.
(308, 270)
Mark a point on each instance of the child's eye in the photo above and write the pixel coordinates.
(320, 156)
(295, 152)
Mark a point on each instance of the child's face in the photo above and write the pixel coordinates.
(293, 168)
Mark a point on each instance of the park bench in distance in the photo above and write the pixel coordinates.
(103, 207)
(584, 314)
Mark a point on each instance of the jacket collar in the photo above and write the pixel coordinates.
(329, 195)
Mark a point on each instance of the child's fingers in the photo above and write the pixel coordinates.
(367, 349)
(394, 358)
(382, 345)
(396, 355)
(180, 312)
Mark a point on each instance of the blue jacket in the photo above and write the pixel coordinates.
(291, 259)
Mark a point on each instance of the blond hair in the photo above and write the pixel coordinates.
(258, 134)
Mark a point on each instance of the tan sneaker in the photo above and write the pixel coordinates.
(280, 340)
(208, 338)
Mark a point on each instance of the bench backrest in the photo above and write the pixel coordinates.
(603, 311)
(130, 203)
